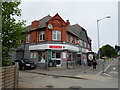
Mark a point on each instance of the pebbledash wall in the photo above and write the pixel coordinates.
(53, 39)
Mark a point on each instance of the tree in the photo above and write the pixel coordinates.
(12, 29)
(108, 51)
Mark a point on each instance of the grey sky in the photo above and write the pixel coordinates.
(83, 13)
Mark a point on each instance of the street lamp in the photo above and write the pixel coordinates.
(98, 37)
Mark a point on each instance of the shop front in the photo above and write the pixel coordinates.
(84, 55)
(54, 54)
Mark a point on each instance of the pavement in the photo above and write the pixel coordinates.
(77, 72)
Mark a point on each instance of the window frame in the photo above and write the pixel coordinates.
(80, 42)
(28, 38)
(55, 57)
(43, 36)
(55, 34)
(71, 39)
(85, 44)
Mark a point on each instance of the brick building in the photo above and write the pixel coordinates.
(53, 39)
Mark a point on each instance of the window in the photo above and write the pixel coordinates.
(21, 41)
(80, 43)
(33, 55)
(71, 39)
(28, 38)
(56, 55)
(85, 44)
(67, 38)
(56, 35)
(42, 35)
(53, 55)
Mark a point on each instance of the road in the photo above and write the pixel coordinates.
(32, 80)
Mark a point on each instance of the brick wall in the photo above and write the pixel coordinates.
(33, 37)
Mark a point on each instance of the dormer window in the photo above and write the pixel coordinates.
(56, 35)
(42, 36)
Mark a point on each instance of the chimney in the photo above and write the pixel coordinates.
(68, 23)
(35, 24)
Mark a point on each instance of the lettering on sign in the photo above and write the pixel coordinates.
(56, 47)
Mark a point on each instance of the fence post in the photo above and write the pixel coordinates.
(16, 74)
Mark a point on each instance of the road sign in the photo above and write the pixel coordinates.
(98, 52)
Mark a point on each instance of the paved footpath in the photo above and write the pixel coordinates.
(77, 72)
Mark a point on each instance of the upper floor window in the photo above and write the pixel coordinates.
(21, 41)
(88, 46)
(85, 44)
(28, 38)
(71, 39)
(67, 38)
(80, 42)
(42, 35)
(56, 35)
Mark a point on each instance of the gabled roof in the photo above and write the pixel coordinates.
(43, 21)
(59, 18)
(78, 31)
(74, 29)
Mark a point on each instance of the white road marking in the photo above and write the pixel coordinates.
(107, 74)
(105, 68)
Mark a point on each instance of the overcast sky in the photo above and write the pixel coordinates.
(84, 12)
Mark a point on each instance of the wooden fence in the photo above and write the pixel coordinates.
(9, 76)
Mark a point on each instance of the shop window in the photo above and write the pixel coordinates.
(42, 35)
(41, 57)
(53, 55)
(28, 38)
(33, 55)
(56, 35)
(56, 55)
(69, 56)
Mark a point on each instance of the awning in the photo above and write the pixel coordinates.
(54, 47)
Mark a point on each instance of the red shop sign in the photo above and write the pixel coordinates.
(56, 47)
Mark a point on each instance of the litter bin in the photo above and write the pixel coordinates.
(50, 63)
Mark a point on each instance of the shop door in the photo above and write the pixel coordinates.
(79, 59)
(56, 56)
(39, 56)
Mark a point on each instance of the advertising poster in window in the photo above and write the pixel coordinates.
(43, 58)
(64, 55)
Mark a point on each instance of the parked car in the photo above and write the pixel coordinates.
(25, 64)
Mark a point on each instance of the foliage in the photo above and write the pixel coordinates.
(11, 29)
(107, 51)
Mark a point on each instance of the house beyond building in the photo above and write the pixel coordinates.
(53, 39)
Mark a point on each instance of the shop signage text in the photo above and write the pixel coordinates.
(55, 47)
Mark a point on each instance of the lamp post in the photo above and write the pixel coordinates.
(99, 37)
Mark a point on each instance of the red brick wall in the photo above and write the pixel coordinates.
(48, 35)
(35, 24)
(58, 24)
(33, 37)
